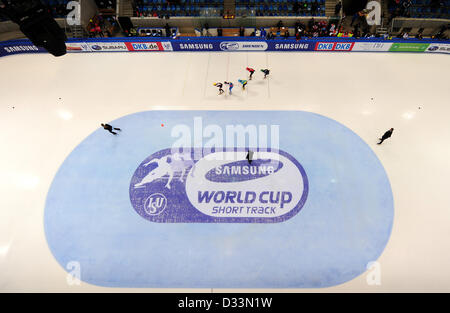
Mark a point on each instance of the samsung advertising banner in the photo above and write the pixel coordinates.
(15, 47)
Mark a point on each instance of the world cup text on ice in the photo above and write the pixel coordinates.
(274, 197)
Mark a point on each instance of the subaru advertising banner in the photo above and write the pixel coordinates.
(107, 46)
(439, 48)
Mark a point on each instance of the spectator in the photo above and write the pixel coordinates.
(419, 34)
(241, 31)
(286, 33)
(304, 8)
(406, 7)
(263, 32)
(168, 31)
(314, 7)
(337, 8)
(332, 30)
(98, 30)
(295, 8)
(441, 33)
(310, 24)
(356, 30)
(354, 18)
(436, 4)
(175, 34)
(280, 24)
(219, 32)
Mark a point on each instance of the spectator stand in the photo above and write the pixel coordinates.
(431, 9)
(162, 8)
(107, 7)
(57, 8)
(102, 26)
(214, 32)
(3, 17)
(420, 28)
(268, 33)
(280, 8)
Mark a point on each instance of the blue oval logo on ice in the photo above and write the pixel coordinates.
(220, 187)
(226, 46)
(96, 47)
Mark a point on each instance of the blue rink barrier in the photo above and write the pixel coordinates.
(230, 44)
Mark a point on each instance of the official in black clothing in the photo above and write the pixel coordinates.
(110, 128)
(386, 136)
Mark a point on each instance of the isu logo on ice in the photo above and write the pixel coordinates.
(220, 187)
(155, 204)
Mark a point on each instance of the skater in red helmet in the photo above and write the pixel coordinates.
(251, 72)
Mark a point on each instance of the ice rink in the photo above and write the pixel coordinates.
(50, 105)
